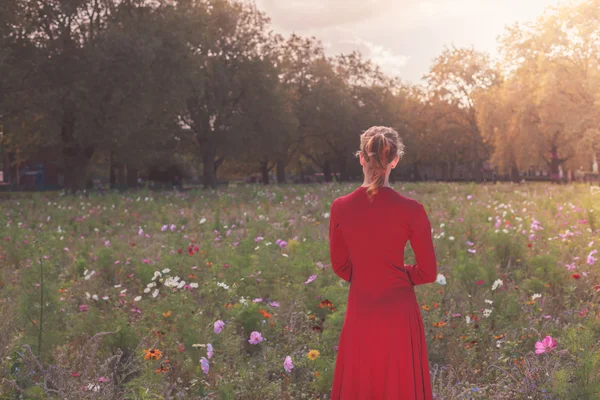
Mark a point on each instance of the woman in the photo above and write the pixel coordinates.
(382, 349)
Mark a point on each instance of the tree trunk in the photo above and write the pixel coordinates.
(444, 167)
(477, 171)
(327, 171)
(280, 171)
(132, 176)
(264, 170)
(209, 153)
(514, 174)
(76, 158)
(416, 171)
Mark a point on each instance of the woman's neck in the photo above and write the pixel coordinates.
(386, 182)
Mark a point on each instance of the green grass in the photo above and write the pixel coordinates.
(87, 336)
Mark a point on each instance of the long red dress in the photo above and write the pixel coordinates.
(382, 352)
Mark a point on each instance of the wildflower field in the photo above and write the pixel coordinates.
(229, 294)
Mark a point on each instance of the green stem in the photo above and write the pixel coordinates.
(41, 310)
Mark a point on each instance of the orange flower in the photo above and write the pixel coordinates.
(208, 264)
(228, 305)
(436, 305)
(167, 314)
(439, 324)
(317, 374)
(426, 307)
(498, 337)
(62, 291)
(152, 354)
(265, 314)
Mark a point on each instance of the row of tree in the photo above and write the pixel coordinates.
(133, 83)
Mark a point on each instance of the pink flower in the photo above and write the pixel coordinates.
(472, 251)
(258, 300)
(219, 326)
(274, 304)
(591, 260)
(103, 379)
(310, 279)
(456, 315)
(255, 338)
(204, 364)
(209, 350)
(547, 344)
(83, 308)
(288, 365)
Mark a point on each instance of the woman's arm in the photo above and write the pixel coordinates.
(425, 270)
(338, 251)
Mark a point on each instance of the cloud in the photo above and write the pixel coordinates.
(305, 15)
(390, 62)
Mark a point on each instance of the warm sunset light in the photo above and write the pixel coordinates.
(403, 36)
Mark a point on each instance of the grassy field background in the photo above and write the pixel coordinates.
(229, 294)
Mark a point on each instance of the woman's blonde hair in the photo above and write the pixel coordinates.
(379, 145)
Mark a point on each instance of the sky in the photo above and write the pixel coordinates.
(402, 36)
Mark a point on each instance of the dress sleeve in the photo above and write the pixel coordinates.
(425, 269)
(338, 251)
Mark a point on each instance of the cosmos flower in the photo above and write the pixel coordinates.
(255, 338)
(310, 279)
(441, 279)
(204, 364)
(209, 350)
(218, 326)
(546, 345)
(288, 365)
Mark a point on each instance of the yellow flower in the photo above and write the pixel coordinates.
(313, 354)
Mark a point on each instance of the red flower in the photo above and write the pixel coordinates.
(180, 250)
(480, 282)
(529, 245)
(597, 288)
(575, 276)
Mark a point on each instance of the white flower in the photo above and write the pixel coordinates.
(487, 312)
(166, 271)
(223, 285)
(124, 290)
(441, 279)
(489, 301)
(244, 301)
(497, 283)
(468, 319)
(157, 274)
(451, 238)
(117, 286)
(203, 220)
(326, 215)
(87, 295)
(536, 296)
(181, 285)
(137, 298)
(105, 298)
(155, 293)
(95, 297)
(194, 285)
(147, 290)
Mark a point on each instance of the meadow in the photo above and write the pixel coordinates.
(229, 294)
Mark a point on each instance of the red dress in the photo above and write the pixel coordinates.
(382, 352)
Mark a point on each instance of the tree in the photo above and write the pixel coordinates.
(455, 78)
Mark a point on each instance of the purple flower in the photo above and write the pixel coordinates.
(283, 244)
(258, 239)
(257, 300)
(204, 364)
(470, 243)
(255, 338)
(209, 350)
(310, 279)
(219, 326)
(274, 303)
(472, 251)
(288, 365)
(164, 228)
(173, 227)
(141, 232)
(83, 308)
